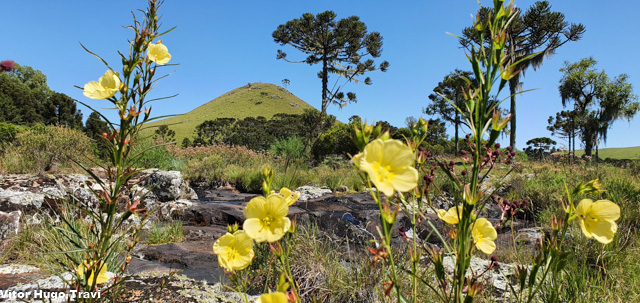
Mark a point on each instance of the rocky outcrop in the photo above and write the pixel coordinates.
(169, 186)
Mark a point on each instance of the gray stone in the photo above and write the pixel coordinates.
(9, 223)
(313, 192)
(169, 186)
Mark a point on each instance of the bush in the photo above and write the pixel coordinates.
(8, 132)
(156, 155)
(288, 148)
(42, 148)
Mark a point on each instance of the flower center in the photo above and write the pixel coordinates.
(232, 254)
(383, 172)
(266, 221)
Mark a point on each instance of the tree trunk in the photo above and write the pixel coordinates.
(596, 154)
(457, 124)
(588, 147)
(512, 111)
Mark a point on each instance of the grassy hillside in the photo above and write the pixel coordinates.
(257, 99)
(616, 153)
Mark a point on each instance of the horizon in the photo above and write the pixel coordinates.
(238, 49)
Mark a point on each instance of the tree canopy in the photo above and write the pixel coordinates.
(448, 93)
(340, 46)
(598, 100)
(532, 36)
(25, 98)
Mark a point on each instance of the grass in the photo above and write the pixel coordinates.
(165, 233)
(258, 99)
(615, 153)
(240, 167)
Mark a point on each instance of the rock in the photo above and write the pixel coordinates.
(205, 214)
(174, 209)
(313, 192)
(169, 186)
(9, 223)
(498, 277)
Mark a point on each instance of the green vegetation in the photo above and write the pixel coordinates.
(616, 153)
(240, 167)
(44, 148)
(25, 98)
(532, 36)
(252, 100)
(597, 101)
(164, 233)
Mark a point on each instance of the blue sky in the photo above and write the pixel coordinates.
(221, 45)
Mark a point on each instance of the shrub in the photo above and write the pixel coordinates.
(43, 148)
(8, 132)
(164, 233)
(289, 148)
(156, 157)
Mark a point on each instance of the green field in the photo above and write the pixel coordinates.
(616, 153)
(256, 99)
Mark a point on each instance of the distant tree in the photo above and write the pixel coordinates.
(165, 133)
(95, 126)
(25, 98)
(598, 100)
(186, 143)
(449, 91)
(533, 36)
(564, 125)
(286, 82)
(539, 147)
(339, 46)
(60, 109)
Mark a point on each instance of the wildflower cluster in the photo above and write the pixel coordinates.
(266, 221)
(405, 173)
(92, 256)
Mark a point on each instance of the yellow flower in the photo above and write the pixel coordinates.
(483, 235)
(273, 297)
(92, 267)
(158, 53)
(289, 196)
(235, 252)
(597, 219)
(266, 218)
(389, 165)
(107, 86)
(451, 216)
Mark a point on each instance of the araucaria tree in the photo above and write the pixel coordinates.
(598, 101)
(341, 47)
(530, 38)
(448, 93)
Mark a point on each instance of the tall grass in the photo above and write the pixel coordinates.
(240, 167)
(46, 148)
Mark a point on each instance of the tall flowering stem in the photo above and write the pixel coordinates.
(109, 224)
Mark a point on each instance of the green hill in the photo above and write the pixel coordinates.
(616, 153)
(256, 99)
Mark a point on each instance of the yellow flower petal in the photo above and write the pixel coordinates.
(256, 207)
(274, 297)
(583, 207)
(596, 219)
(452, 216)
(483, 235)
(389, 165)
(486, 246)
(235, 252)
(107, 86)
(605, 210)
(601, 230)
(289, 196)
(266, 218)
(158, 53)
(92, 267)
